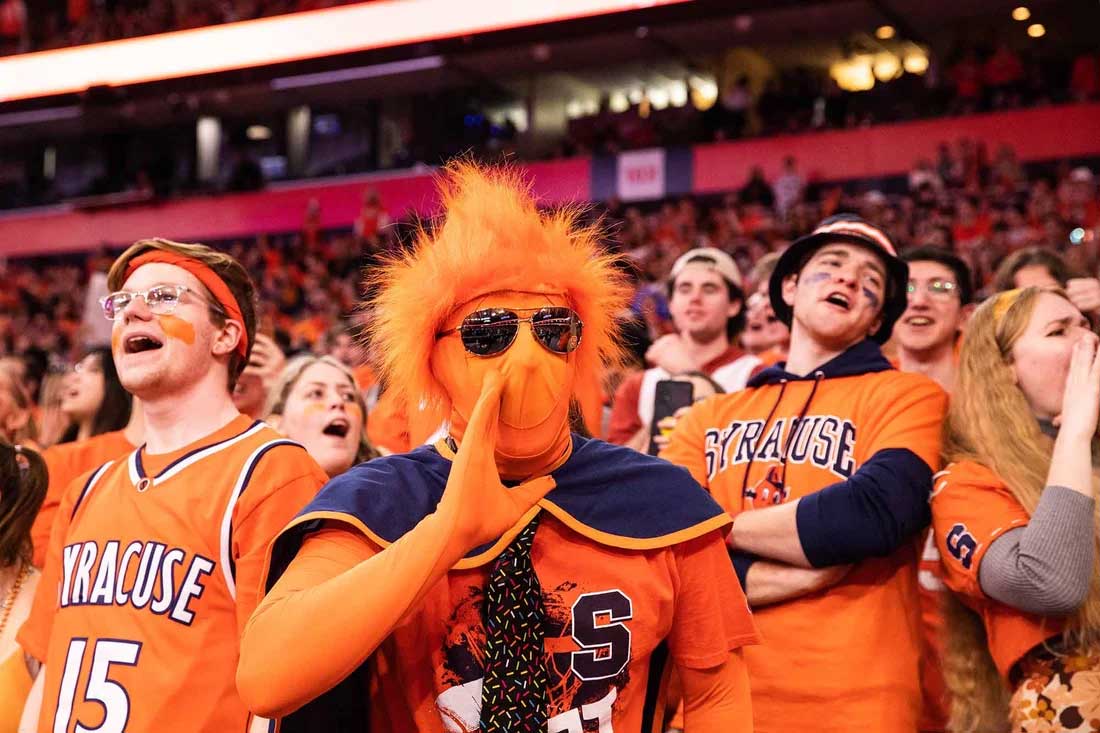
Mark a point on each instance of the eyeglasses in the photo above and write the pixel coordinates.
(161, 300)
(935, 288)
(491, 331)
(90, 367)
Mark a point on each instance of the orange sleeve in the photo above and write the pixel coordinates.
(971, 507)
(34, 635)
(300, 601)
(267, 505)
(624, 422)
(718, 699)
(687, 445)
(711, 614)
(338, 600)
(910, 415)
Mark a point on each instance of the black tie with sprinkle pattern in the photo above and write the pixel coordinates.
(514, 695)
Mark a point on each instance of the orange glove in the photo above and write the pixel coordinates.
(338, 600)
(478, 507)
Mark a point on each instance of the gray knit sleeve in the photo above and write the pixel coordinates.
(1045, 567)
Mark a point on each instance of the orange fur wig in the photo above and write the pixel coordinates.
(492, 237)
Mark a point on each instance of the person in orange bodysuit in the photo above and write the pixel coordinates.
(513, 576)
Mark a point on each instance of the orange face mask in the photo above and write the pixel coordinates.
(533, 435)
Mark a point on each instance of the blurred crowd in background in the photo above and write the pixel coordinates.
(981, 205)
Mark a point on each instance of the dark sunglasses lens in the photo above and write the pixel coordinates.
(489, 332)
(558, 329)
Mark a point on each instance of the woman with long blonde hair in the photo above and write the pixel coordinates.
(1014, 519)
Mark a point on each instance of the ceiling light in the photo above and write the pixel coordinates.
(1036, 30)
(854, 75)
(1021, 13)
(704, 93)
(915, 63)
(658, 97)
(619, 102)
(258, 132)
(885, 32)
(678, 93)
(886, 67)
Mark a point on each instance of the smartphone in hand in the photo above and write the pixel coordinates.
(669, 396)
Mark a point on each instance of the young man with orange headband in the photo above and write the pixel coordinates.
(155, 559)
(514, 577)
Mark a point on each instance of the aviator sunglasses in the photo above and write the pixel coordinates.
(490, 331)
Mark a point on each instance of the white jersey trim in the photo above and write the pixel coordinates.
(227, 518)
(195, 457)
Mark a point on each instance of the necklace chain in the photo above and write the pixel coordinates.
(9, 601)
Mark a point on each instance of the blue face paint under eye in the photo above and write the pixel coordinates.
(871, 297)
(815, 277)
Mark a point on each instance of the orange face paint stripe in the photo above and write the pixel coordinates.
(177, 328)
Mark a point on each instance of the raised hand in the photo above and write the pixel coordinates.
(667, 425)
(475, 502)
(1084, 292)
(1081, 398)
(670, 354)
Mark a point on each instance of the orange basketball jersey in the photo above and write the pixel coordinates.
(154, 567)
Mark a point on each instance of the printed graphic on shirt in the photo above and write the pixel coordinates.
(961, 545)
(825, 441)
(584, 682)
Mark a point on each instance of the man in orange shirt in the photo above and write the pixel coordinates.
(514, 577)
(826, 463)
(927, 337)
(155, 559)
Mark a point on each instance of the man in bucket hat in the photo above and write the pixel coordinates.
(825, 461)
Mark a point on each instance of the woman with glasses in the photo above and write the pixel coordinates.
(315, 402)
